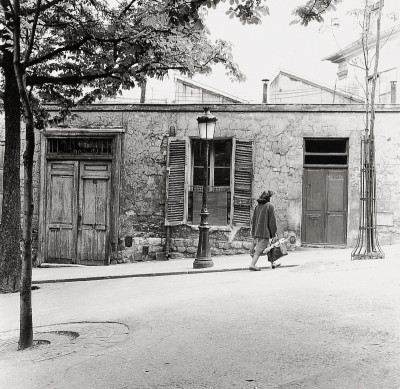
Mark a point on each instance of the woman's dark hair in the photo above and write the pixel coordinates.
(265, 197)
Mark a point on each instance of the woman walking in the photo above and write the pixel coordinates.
(263, 228)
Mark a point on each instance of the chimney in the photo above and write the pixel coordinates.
(393, 92)
(265, 91)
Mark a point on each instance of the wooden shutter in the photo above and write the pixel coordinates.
(176, 175)
(243, 177)
(2, 148)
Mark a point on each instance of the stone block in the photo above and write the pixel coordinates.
(154, 241)
(161, 256)
(191, 250)
(222, 245)
(138, 257)
(246, 245)
(156, 249)
(236, 244)
(176, 256)
(178, 242)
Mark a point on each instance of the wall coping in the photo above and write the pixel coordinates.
(340, 108)
(81, 130)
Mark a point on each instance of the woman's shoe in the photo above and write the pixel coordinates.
(276, 265)
(254, 268)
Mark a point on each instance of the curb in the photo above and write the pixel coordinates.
(143, 275)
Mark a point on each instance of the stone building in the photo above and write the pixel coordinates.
(121, 183)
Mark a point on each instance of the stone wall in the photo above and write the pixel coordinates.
(278, 133)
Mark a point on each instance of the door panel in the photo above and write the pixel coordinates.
(336, 199)
(324, 206)
(61, 211)
(314, 205)
(94, 200)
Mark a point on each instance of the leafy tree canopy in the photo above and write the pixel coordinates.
(74, 51)
(314, 10)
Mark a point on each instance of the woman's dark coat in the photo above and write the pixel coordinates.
(264, 221)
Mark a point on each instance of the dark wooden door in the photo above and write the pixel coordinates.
(61, 211)
(336, 206)
(77, 212)
(94, 214)
(324, 206)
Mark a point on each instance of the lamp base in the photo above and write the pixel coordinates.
(202, 263)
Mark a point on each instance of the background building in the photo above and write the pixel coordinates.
(351, 75)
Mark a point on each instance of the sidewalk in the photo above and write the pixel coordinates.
(300, 257)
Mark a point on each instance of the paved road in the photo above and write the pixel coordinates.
(316, 325)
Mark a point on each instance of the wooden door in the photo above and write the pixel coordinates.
(314, 206)
(324, 206)
(61, 211)
(336, 205)
(94, 212)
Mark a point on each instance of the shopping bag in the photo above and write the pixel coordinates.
(276, 250)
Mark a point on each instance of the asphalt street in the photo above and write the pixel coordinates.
(315, 325)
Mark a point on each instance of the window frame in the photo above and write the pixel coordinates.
(190, 188)
(332, 154)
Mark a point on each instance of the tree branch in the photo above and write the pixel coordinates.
(33, 32)
(43, 8)
(66, 80)
(60, 50)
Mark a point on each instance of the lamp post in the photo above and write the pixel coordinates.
(203, 258)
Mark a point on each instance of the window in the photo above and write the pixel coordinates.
(326, 151)
(219, 180)
(230, 181)
(79, 146)
(2, 146)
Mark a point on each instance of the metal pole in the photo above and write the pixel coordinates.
(203, 256)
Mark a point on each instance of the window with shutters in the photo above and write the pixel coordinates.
(230, 176)
(219, 179)
(2, 146)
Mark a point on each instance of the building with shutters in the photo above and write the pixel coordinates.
(123, 183)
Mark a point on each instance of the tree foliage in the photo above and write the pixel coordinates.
(314, 10)
(75, 51)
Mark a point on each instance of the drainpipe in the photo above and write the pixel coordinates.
(168, 242)
(393, 92)
(265, 91)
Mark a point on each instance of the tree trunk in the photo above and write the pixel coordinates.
(10, 227)
(26, 327)
(143, 87)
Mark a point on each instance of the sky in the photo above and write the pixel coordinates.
(262, 50)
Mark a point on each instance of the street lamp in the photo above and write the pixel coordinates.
(203, 258)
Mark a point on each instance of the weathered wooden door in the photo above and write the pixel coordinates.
(78, 216)
(61, 211)
(324, 206)
(94, 215)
